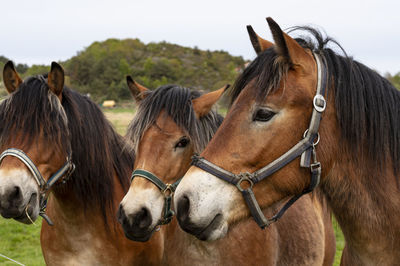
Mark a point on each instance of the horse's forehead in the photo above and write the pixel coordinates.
(295, 88)
(292, 92)
(22, 138)
(248, 94)
(165, 126)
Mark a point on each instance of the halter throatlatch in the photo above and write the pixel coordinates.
(65, 171)
(166, 189)
(306, 148)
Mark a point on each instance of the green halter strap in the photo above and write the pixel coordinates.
(167, 190)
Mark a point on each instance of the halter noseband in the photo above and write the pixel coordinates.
(65, 171)
(304, 148)
(166, 189)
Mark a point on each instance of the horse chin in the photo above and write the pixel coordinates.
(29, 215)
(144, 236)
(215, 234)
(215, 230)
(25, 215)
(25, 219)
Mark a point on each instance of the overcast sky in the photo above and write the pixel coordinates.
(38, 32)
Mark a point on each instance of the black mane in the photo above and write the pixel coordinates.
(176, 101)
(97, 150)
(367, 105)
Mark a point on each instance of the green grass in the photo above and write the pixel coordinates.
(339, 242)
(118, 110)
(21, 242)
(120, 118)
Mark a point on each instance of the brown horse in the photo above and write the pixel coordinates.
(171, 124)
(275, 100)
(42, 125)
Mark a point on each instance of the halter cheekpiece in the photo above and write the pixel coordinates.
(306, 148)
(166, 189)
(65, 171)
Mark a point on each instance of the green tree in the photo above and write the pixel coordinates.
(101, 68)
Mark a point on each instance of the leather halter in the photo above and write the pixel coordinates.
(65, 171)
(304, 148)
(166, 189)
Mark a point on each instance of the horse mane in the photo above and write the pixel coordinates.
(367, 105)
(98, 153)
(176, 101)
(97, 150)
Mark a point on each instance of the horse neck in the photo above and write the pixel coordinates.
(365, 203)
(243, 239)
(63, 203)
(179, 244)
(88, 170)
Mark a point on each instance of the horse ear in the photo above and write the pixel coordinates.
(10, 77)
(259, 44)
(138, 91)
(202, 105)
(55, 79)
(286, 47)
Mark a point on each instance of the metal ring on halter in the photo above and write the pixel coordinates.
(316, 142)
(168, 188)
(244, 177)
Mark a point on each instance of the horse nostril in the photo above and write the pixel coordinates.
(15, 194)
(143, 218)
(33, 196)
(120, 214)
(183, 208)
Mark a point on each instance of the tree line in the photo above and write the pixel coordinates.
(101, 68)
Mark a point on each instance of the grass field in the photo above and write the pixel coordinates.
(21, 242)
(120, 117)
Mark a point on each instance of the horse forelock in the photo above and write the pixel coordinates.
(31, 112)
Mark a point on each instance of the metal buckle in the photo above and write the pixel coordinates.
(168, 191)
(315, 166)
(244, 177)
(319, 98)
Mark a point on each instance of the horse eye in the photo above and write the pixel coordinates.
(182, 143)
(263, 115)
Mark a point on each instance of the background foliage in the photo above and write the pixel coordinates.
(101, 68)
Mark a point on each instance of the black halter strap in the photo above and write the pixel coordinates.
(304, 148)
(65, 171)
